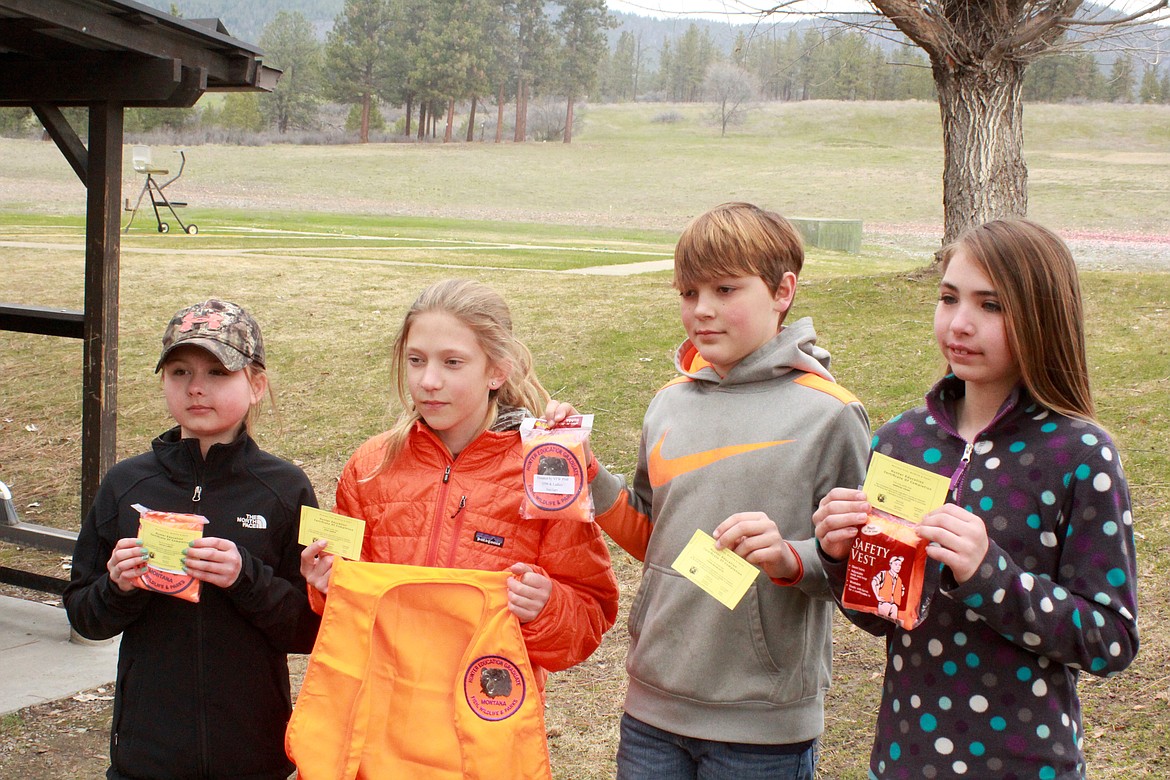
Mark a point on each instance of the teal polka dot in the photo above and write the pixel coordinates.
(1066, 480)
(1043, 731)
(1047, 773)
(1048, 497)
(959, 639)
(1076, 618)
(1083, 471)
(1002, 563)
(932, 456)
(873, 443)
(895, 751)
(944, 703)
(949, 668)
(998, 723)
(986, 503)
(1034, 521)
(1017, 446)
(1090, 439)
(976, 485)
(977, 748)
(1048, 427)
(1116, 577)
(928, 722)
(1023, 674)
(1109, 529)
(1099, 619)
(972, 660)
(975, 600)
(1059, 593)
(1098, 664)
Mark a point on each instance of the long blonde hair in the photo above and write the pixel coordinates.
(485, 313)
(1035, 276)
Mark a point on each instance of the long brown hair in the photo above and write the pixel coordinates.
(486, 314)
(1033, 272)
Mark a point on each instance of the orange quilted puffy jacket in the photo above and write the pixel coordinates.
(427, 509)
(418, 672)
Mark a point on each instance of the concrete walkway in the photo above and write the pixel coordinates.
(38, 663)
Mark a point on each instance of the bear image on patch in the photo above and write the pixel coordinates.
(552, 466)
(494, 681)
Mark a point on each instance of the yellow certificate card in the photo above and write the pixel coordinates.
(166, 544)
(344, 533)
(721, 573)
(902, 490)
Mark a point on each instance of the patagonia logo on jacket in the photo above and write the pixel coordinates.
(258, 522)
(493, 540)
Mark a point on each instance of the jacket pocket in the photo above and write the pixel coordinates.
(684, 642)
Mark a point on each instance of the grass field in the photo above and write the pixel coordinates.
(327, 245)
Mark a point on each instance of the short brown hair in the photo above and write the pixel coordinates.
(737, 239)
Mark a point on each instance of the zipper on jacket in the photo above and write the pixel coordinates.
(956, 483)
(437, 520)
(456, 532)
(198, 495)
(961, 470)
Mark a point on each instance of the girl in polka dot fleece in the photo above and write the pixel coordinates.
(1038, 578)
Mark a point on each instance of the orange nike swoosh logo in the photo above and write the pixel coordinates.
(663, 469)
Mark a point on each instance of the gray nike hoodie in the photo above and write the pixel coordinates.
(773, 436)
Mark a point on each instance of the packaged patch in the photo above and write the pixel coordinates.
(555, 465)
(886, 573)
(166, 536)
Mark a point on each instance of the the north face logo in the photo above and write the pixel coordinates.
(252, 521)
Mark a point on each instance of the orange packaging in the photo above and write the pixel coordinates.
(555, 467)
(163, 572)
(886, 569)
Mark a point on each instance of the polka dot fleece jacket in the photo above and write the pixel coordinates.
(985, 686)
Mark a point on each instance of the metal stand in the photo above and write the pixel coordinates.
(157, 196)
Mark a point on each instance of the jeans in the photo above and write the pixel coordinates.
(647, 753)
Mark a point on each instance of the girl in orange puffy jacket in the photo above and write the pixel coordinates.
(443, 486)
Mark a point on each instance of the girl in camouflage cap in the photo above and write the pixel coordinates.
(203, 687)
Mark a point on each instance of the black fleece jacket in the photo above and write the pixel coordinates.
(203, 688)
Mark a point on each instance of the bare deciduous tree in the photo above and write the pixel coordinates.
(731, 89)
(979, 51)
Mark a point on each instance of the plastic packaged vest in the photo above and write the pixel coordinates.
(418, 673)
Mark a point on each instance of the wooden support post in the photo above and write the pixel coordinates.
(99, 403)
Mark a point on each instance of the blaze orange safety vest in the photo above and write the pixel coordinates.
(418, 673)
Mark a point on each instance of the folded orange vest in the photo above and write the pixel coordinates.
(418, 673)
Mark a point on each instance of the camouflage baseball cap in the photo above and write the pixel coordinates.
(224, 329)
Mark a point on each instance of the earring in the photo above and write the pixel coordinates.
(493, 384)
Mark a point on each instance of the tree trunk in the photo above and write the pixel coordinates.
(521, 112)
(984, 174)
(409, 109)
(471, 122)
(364, 132)
(450, 120)
(569, 122)
(422, 120)
(500, 113)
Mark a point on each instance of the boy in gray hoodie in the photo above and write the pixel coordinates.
(743, 445)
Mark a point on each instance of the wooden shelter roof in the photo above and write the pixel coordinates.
(75, 52)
